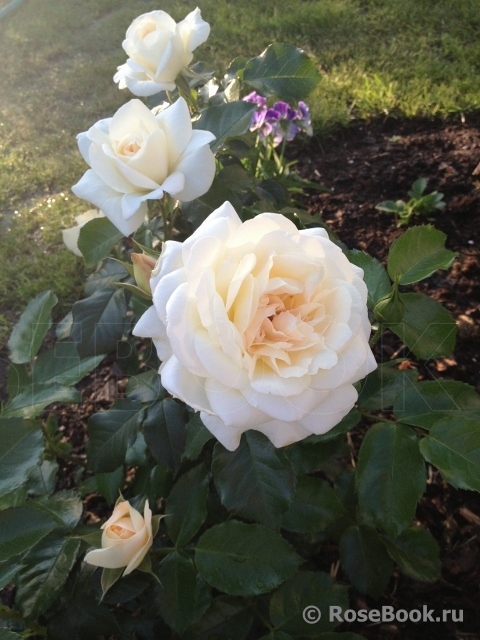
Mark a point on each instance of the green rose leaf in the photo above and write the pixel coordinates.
(128, 588)
(62, 365)
(244, 559)
(381, 387)
(187, 505)
(225, 121)
(18, 379)
(20, 529)
(256, 481)
(453, 446)
(110, 484)
(197, 437)
(425, 403)
(64, 507)
(375, 277)
(99, 322)
(365, 560)
(339, 636)
(5, 634)
(48, 566)
(305, 589)
(14, 498)
(199, 209)
(42, 479)
(36, 397)
(181, 592)
(108, 272)
(27, 335)
(8, 571)
(314, 508)
(418, 253)
(96, 240)
(83, 619)
(146, 387)
(226, 617)
(282, 70)
(427, 328)
(111, 433)
(22, 447)
(391, 476)
(416, 553)
(312, 454)
(164, 431)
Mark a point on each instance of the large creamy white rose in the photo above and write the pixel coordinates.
(158, 49)
(259, 326)
(126, 538)
(138, 156)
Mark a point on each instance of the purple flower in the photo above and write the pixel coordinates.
(280, 122)
(255, 98)
(306, 119)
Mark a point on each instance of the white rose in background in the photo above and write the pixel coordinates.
(259, 326)
(126, 539)
(158, 50)
(71, 236)
(138, 156)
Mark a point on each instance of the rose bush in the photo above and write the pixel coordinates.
(158, 50)
(126, 539)
(138, 156)
(259, 326)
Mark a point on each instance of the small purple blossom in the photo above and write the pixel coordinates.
(255, 98)
(279, 122)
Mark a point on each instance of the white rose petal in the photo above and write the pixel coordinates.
(159, 49)
(260, 326)
(138, 156)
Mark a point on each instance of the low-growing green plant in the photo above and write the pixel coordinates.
(245, 337)
(420, 203)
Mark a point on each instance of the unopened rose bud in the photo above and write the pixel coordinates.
(126, 539)
(143, 265)
(390, 310)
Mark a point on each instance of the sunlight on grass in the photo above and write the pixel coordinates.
(58, 58)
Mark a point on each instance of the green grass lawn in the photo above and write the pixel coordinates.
(398, 57)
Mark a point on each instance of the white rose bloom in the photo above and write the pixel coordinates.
(126, 538)
(138, 156)
(71, 236)
(158, 50)
(259, 326)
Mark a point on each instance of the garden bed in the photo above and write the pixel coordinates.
(363, 165)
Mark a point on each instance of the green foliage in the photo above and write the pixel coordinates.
(248, 527)
(453, 446)
(244, 559)
(255, 481)
(419, 204)
(282, 70)
(417, 254)
(365, 559)
(97, 238)
(390, 476)
(416, 553)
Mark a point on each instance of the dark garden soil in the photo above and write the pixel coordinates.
(364, 165)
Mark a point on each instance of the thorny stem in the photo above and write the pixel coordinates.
(372, 416)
